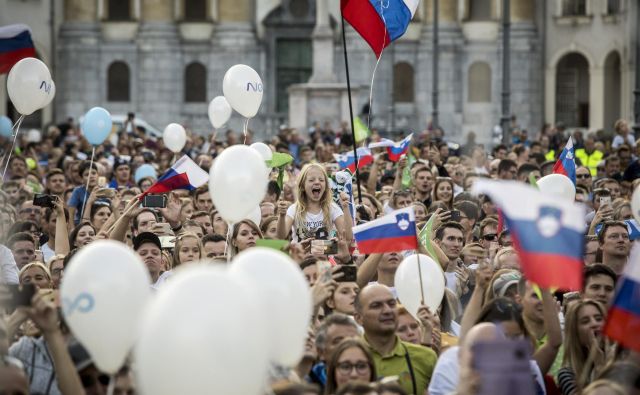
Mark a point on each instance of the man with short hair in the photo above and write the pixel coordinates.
(526, 170)
(613, 187)
(55, 183)
(612, 167)
(450, 238)
(213, 245)
(583, 177)
(615, 245)
(202, 199)
(203, 218)
(29, 212)
(590, 249)
(121, 174)
(507, 170)
(89, 173)
(599, 283)
(589, 156)
(267, 209)
(143, 221)
(423, 181)
(23, 248)
(148, 247)
(376, 312)
(488, 232)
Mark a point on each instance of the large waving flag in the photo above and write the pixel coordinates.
(395, 231)
(623, 319)
(547, 232)
(348, 160)
(394, 150)
(379, 22)
(15, 44)
(566, 164)
(184, 174)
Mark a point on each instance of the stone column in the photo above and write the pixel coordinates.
(596, 98)
(522, 10)
(235, 28)
(157, 11)
(323, 46)
(80, 10)
(448, 11)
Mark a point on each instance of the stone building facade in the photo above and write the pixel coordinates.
(571, 61)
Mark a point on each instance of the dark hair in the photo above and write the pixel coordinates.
(23, 226)
(610, 224)
(74, 233)
(84, 166)
(598, 269)
(334, 318)
(503, 309)
(48, 212)
(506, 164)
(200, 191)
(448, 225)
(273, 189)
(134, 223)
(54, 172)
(470, 209)
(97, 205)
(213, 238)
(20, 236)
(295, 389)
(527, 168)
(332, 363)
(264, 226)
(355, 388)
(498, 148)
(308, 261)
(199, 214)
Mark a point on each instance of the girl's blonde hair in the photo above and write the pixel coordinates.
(34, 264)
(178, 246)
(301, 195)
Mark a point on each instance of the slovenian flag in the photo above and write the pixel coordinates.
(348, 160)
(394, 150)
(566, 164)
(623, 319)
(395, 231)
(379, 22)
(184, 174)
(15, 44)
(547, 233)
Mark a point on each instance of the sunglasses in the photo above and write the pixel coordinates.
(490, 237)
(583, 175)
(89, 380)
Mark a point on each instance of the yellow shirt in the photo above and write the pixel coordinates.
(416, 367)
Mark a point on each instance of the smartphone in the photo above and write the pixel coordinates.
(503, 367)
(44, 200)
(102, 181)
(328, 247)
(154, 201)
(455, 216)
(605, 200)
(108, 193)
(20, 295)
(162, 228)
(324, 271)
(350, 273)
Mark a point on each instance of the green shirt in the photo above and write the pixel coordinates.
(557, 363)
(396, 363)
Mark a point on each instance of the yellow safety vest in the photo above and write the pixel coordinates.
(589, 161)
(551, 155)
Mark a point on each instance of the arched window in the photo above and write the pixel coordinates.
(572, 90)
(479, 10)
(118, 82)
(479, 84)
(403, 83)
(195, 83)
(195, 10)
(119, 10)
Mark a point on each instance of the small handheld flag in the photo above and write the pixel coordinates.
(394, 150)
(566, 164)
(348, 161)
(361, 131)
(184, 174)
(395, 231)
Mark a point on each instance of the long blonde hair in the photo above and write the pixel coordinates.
(179, 241)
(325, 200)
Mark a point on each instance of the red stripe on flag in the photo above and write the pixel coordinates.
(362, 16)
(176, 182)
(390, 244)
(559, 169)
(623, 327)
(8, 59)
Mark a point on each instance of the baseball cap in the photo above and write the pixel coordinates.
(146, 237)
(506, 280)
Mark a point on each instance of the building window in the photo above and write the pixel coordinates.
(574, 7)
(613, 7)
(195, 83)
(572, 90)
(479, 10)
(479, 84)
(299, 8)
(293, 66)
(119, 10)
(403, 83)
(118, 82)
(195, 10)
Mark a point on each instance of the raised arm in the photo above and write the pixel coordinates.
(546, 354)
(284, 222)
(62, 236)
(397, 182)
(121, 226)
(472, 312)
(368, 269)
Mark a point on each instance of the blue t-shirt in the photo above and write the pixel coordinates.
(77, 201)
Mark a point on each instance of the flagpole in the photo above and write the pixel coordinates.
(353, 130)
(419, 268)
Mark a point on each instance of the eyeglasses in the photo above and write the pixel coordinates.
(583, 175)
(490, 237)
(347, 367)
(89, 380)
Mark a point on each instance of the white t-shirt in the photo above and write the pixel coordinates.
(618, 140)
(47, 252)
(312, 222)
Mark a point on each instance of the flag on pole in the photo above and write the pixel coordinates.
(348, 160)
(184, 174)
(15, 45)
(547, 233)
(566, 164)
(378, 22)
(623, 319)
(360, 130)
(395, 231)
(425, 238)
(394, 150)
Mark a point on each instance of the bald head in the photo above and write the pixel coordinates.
(376, 310)
(368, 292)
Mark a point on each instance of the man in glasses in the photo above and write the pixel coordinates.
(615, 245)
(583, 177)
(29, 212)
(488, 232)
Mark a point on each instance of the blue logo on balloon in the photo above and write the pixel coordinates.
(82, 303)
(96, 125)
(6, 127)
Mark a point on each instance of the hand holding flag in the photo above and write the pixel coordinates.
(566, 164)
(184, 174)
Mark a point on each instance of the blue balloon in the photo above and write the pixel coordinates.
(6, 126)
(143, 171)
(96, 125)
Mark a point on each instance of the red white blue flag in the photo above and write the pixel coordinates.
(348, 160)
(379, 22)
(566, 164)
(394, 150)
(184, 174)
(623, 319)
(547, 233)
(15, 45)
(395, 231)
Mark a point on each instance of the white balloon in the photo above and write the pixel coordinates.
(557, 185)
(202, 334)
(255, 216)
(263, 150)
(635, 204)
(285, 295)
(174, 137)
(104, 291)
(242, 86)
(29, 86)
(407, 283)
(238, 182)
(219, 111)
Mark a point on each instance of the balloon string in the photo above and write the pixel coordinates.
(246, 126)
(86, 189)
(15, 129)
(112, 385)
(228, 241)
(373, 76)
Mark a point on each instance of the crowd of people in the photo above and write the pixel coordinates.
(54, 201)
